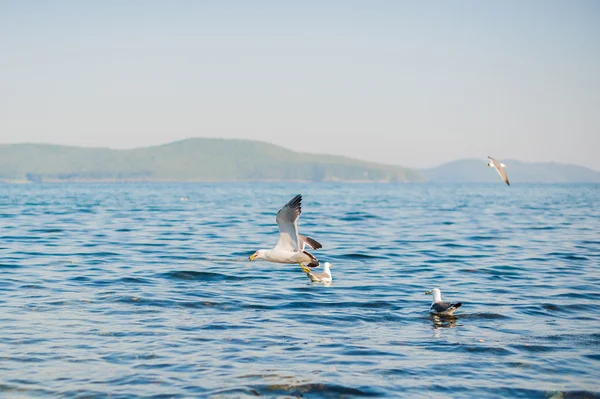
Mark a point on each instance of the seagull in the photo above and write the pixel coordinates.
(439, 307)
(324, 277)
(290, 247)
(494, 163)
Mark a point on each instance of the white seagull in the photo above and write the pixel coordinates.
(494, 163)
(440, 307)
(291, 246)
(324, 277)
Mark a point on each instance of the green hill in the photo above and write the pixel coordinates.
(476, 170)
(196, 159)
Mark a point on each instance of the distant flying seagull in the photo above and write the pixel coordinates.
(439, 307)
(494, 163)
(291, 246)
(324, 277)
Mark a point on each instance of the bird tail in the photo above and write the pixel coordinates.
(457, 305)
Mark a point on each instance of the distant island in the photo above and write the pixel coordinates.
(230, 160)
(476, 170)
(190, 160)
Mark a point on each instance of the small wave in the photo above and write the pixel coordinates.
(534, 348)
(312, 390)
(361, 256)
(588, 293)
(162, 303)
(492, 350)
(586, 339)
(482, 238)
(18, 238)
(134, 280)
(32, 286)
(20, 388)
(536, 259)
(48, 230)
(454, 245)
(335, 305)
(567, 256)
(542, 228)
(484, 316)
(200, 276)
(356, 216)
(100, 254)
(590, 242)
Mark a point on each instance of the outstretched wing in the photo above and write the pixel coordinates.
(304, 241)
(500, 169)
(288, 229)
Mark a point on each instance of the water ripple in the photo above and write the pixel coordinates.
(126, 290)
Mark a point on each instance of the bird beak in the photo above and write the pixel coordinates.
(428, 293)
(252, 257)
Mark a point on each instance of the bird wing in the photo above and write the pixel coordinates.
(288, 229)
(502, 173)
(500, 169)
(440, 307)
(304, 241)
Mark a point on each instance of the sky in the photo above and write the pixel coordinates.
(411, 83)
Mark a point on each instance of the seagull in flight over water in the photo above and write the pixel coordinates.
(290, 247)
(440, 307)
(494, 163)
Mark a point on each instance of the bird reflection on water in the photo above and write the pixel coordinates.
(444, 321)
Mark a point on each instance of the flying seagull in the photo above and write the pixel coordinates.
(291, 246)
(439, 307)
(324, 277)
(494, 163)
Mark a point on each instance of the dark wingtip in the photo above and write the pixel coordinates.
(457, 305)
(314, 244)
(296, 201)
(313, 262)
(507, 183)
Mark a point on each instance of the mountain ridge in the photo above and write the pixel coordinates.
(215, 159)
(193, 159)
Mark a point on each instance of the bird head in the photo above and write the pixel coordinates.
(437, 295)
(260, 254)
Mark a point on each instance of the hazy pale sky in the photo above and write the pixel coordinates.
(410, 83)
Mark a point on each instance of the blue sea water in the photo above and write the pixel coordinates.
(144, 290)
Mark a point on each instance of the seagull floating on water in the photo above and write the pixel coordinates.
(290, 247)
(494, 163)
(324, 277)
(440, 307)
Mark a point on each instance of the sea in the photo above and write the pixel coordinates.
(144, 290)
